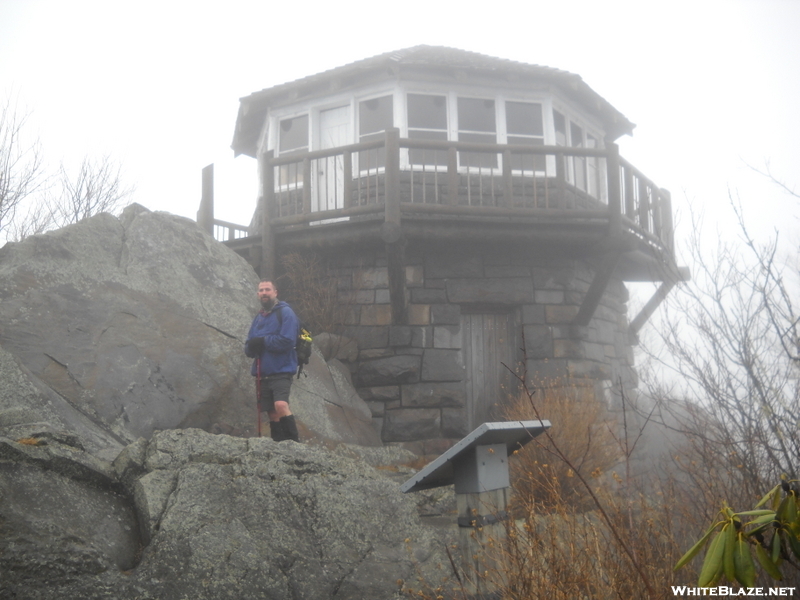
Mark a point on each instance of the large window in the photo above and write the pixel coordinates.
(578, 162)
(432, 117)
(375, 116)
(293, 135)
(476, 123)
(560, 122)
(292, 139)
(525, 127)
(581, 171)
(427, 120)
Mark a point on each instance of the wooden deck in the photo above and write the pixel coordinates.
(578, 199)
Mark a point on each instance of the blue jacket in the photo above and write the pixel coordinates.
(280, 335)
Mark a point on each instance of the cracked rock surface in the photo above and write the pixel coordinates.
(123, 326)
(190, 514)
(121, 367)
(133, 322)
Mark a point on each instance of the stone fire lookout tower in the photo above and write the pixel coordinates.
(463, 202)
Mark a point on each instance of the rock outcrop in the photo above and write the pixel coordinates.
(129, 462)
(124, 326)
(190, 514)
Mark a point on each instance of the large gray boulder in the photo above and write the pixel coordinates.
(135, 321)
(328, 407)
(121, 363)
(123, 326)
(189, 514)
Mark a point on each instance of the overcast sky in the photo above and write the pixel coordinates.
(713, 86)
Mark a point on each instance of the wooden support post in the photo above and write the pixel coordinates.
(596, 289)
(267, 200)
(630, 205)
(508, 185)
(615, 237)
(614, 192)
(644, 207)
(307, 186)
(205, 214)
(561, 180)
(481, 536)
(392, 231)
(392, 176)
(668, 237)
(647, 311)
(347, 179)
(452, 176)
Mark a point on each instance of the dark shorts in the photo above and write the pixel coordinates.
(272, 389)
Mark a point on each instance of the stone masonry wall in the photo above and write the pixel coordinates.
(413, 376)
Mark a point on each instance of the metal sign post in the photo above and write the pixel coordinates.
(478, 468)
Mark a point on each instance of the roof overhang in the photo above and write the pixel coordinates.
(420, 62)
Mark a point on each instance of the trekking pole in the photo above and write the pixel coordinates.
(258, 394)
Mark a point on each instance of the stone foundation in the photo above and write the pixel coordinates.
(414, 376)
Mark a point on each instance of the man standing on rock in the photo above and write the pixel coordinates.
(271, 343)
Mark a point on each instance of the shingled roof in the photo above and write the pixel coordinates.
(438, 61)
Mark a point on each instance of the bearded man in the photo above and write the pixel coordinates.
(271, 345)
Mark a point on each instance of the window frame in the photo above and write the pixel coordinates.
(357, 101)
(294, 182)
(498, 166)
(400, 94)
(408, 163)
(535, 172)
(589, 164)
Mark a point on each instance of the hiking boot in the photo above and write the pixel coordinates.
(277, 431)
(290, 428)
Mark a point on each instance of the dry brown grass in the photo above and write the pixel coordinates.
(562, 552)
(584, 432)
(567, 552)
(581, 530)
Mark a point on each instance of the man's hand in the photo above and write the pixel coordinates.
(255, 346)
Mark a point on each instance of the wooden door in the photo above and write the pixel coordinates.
(488, 345)
(334, 125)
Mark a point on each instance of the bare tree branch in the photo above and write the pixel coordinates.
(21, 166)
(730, 339)
(95, 188)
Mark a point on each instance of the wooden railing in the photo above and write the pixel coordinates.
(226, 232)
(391, 177)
